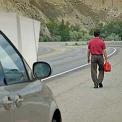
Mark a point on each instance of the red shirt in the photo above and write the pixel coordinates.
(96, 46)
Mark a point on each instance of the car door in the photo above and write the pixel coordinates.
(6, 104)
(6, 111)
(29, 97)
(31, 103)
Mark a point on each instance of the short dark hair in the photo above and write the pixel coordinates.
(97, 33)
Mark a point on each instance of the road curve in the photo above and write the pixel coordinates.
(69, 59)
(80, 102)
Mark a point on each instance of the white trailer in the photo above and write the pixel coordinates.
(23, 32)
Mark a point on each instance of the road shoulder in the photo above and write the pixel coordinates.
(79, 101)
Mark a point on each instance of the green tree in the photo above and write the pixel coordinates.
(110, 30)
(113, 37)
(53, 27)
(112, 27)
(64, 31)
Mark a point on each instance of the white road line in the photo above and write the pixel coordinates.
(76, 68)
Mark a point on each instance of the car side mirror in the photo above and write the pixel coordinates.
(41, 70)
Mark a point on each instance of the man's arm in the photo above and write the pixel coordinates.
(105, 54)
(88, 54)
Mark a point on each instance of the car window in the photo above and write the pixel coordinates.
(12, 64)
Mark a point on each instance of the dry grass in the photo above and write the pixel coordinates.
(72, 10)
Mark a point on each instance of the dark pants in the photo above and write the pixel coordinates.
(97, 60)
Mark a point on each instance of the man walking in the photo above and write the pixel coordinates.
(97, 52)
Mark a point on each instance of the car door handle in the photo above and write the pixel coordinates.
(7, 103)
(18, 100)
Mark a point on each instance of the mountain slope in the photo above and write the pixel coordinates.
(74, 11)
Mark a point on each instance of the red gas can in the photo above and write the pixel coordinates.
(107, 67)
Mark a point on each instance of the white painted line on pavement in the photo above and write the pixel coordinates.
(112, 52)
(76, 68)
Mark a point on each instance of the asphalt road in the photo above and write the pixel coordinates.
(44, 50)
(68, 59)
(80, 102)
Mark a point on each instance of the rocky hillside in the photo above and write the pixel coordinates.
(83, 12)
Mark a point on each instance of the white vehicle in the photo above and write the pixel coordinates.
(23, 33)
(23, 97)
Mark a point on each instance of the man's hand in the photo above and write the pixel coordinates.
(105, 55)
(88, 54)
(88, 60)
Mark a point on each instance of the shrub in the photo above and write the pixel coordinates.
(112, 29)
(53, 27)
(113, 37)
(59, 30)
(64, 31)
(56, 38)
(86, 37)
(44, 39)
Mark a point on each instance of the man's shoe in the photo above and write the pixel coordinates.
(95, 86)
(100, 85)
